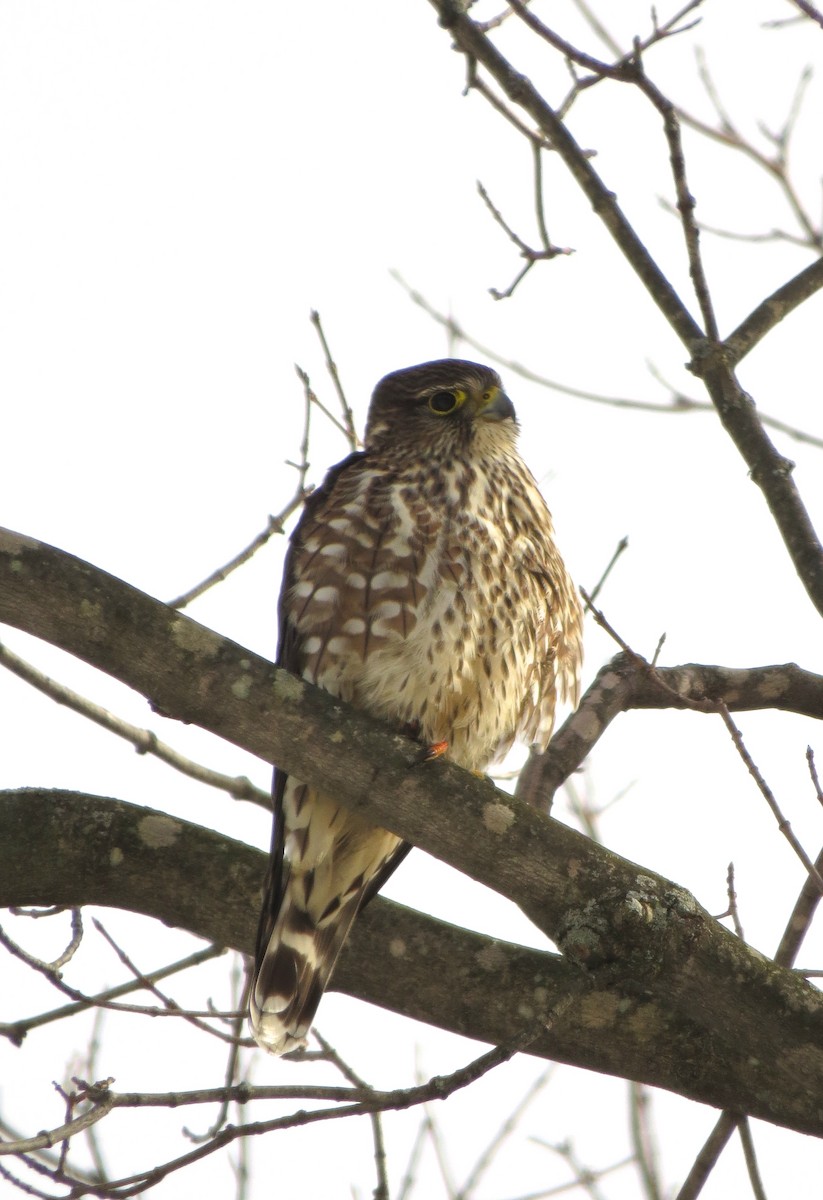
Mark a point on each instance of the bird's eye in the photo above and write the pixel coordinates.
(444, 402)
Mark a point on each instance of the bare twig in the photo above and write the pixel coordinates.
(745, 1133)
(410, 1174)
(782, 823)
(381, 1192)
(643, 1141)
(90, 1070)
(331, 366)
(727, 134)
(15, 1031)
(274, 525)
(809, 10)
(171, 1005)
(103, 1102)
(302, 467)
(809, 898)
(732, 911)
(100, 1000)
(505, 1131)
(620, 548)
(584, 1178)
(679, 402)
(143, 740)
(478, 84)
(708, 1157)
(718, 706)
(527, 252)
(74, 945)
(773, 309)
(438, 1087)
(240, 996)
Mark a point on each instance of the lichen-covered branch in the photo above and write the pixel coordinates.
(638, 938)
(95, 850)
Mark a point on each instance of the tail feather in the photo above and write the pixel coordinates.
(293, 972)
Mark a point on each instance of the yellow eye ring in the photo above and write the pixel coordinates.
(445, 402)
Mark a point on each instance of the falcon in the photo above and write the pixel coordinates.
(422, 585)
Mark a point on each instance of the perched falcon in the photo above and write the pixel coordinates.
(424, 586)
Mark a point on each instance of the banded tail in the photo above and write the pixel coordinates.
(292, 972)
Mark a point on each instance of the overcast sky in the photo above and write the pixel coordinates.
(181, 182)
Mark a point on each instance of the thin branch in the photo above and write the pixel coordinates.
(101, 1107)
(685, 200)
(727, 134)
(171, 1005)
(745, 1133)
(768, 469)
(15, 1031)
(505, 1131)
(772, 311)
(521, 93)
(531, 255)
(809, 899)
(331, 367)
(809, 10)
(274, 525)
(408, 1179)
(736, 235)
(733, 911)
(98, 1001)
(439, 1088)
(240, 1003)
(90, 1071)
(722, 710)
(708, 1157)
(620, 548)
(302, 467)
(782, 823)
(74, 945)
(679, 402)
(145, 741)
(643, 1141)
(381, 1192)
(583, 1177)
(478, 84)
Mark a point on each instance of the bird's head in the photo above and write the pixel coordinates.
(446, 405)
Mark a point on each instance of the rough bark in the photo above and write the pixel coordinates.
(673, 998)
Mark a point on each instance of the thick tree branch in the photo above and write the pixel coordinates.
(93, 850)
(639, 937)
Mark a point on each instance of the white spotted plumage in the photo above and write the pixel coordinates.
(422, 585)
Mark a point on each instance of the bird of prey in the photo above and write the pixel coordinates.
(422, 585)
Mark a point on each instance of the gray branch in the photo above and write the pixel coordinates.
(672, 998)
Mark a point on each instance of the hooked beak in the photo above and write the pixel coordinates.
(497, 408)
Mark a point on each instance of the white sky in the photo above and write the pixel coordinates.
(180, 183)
